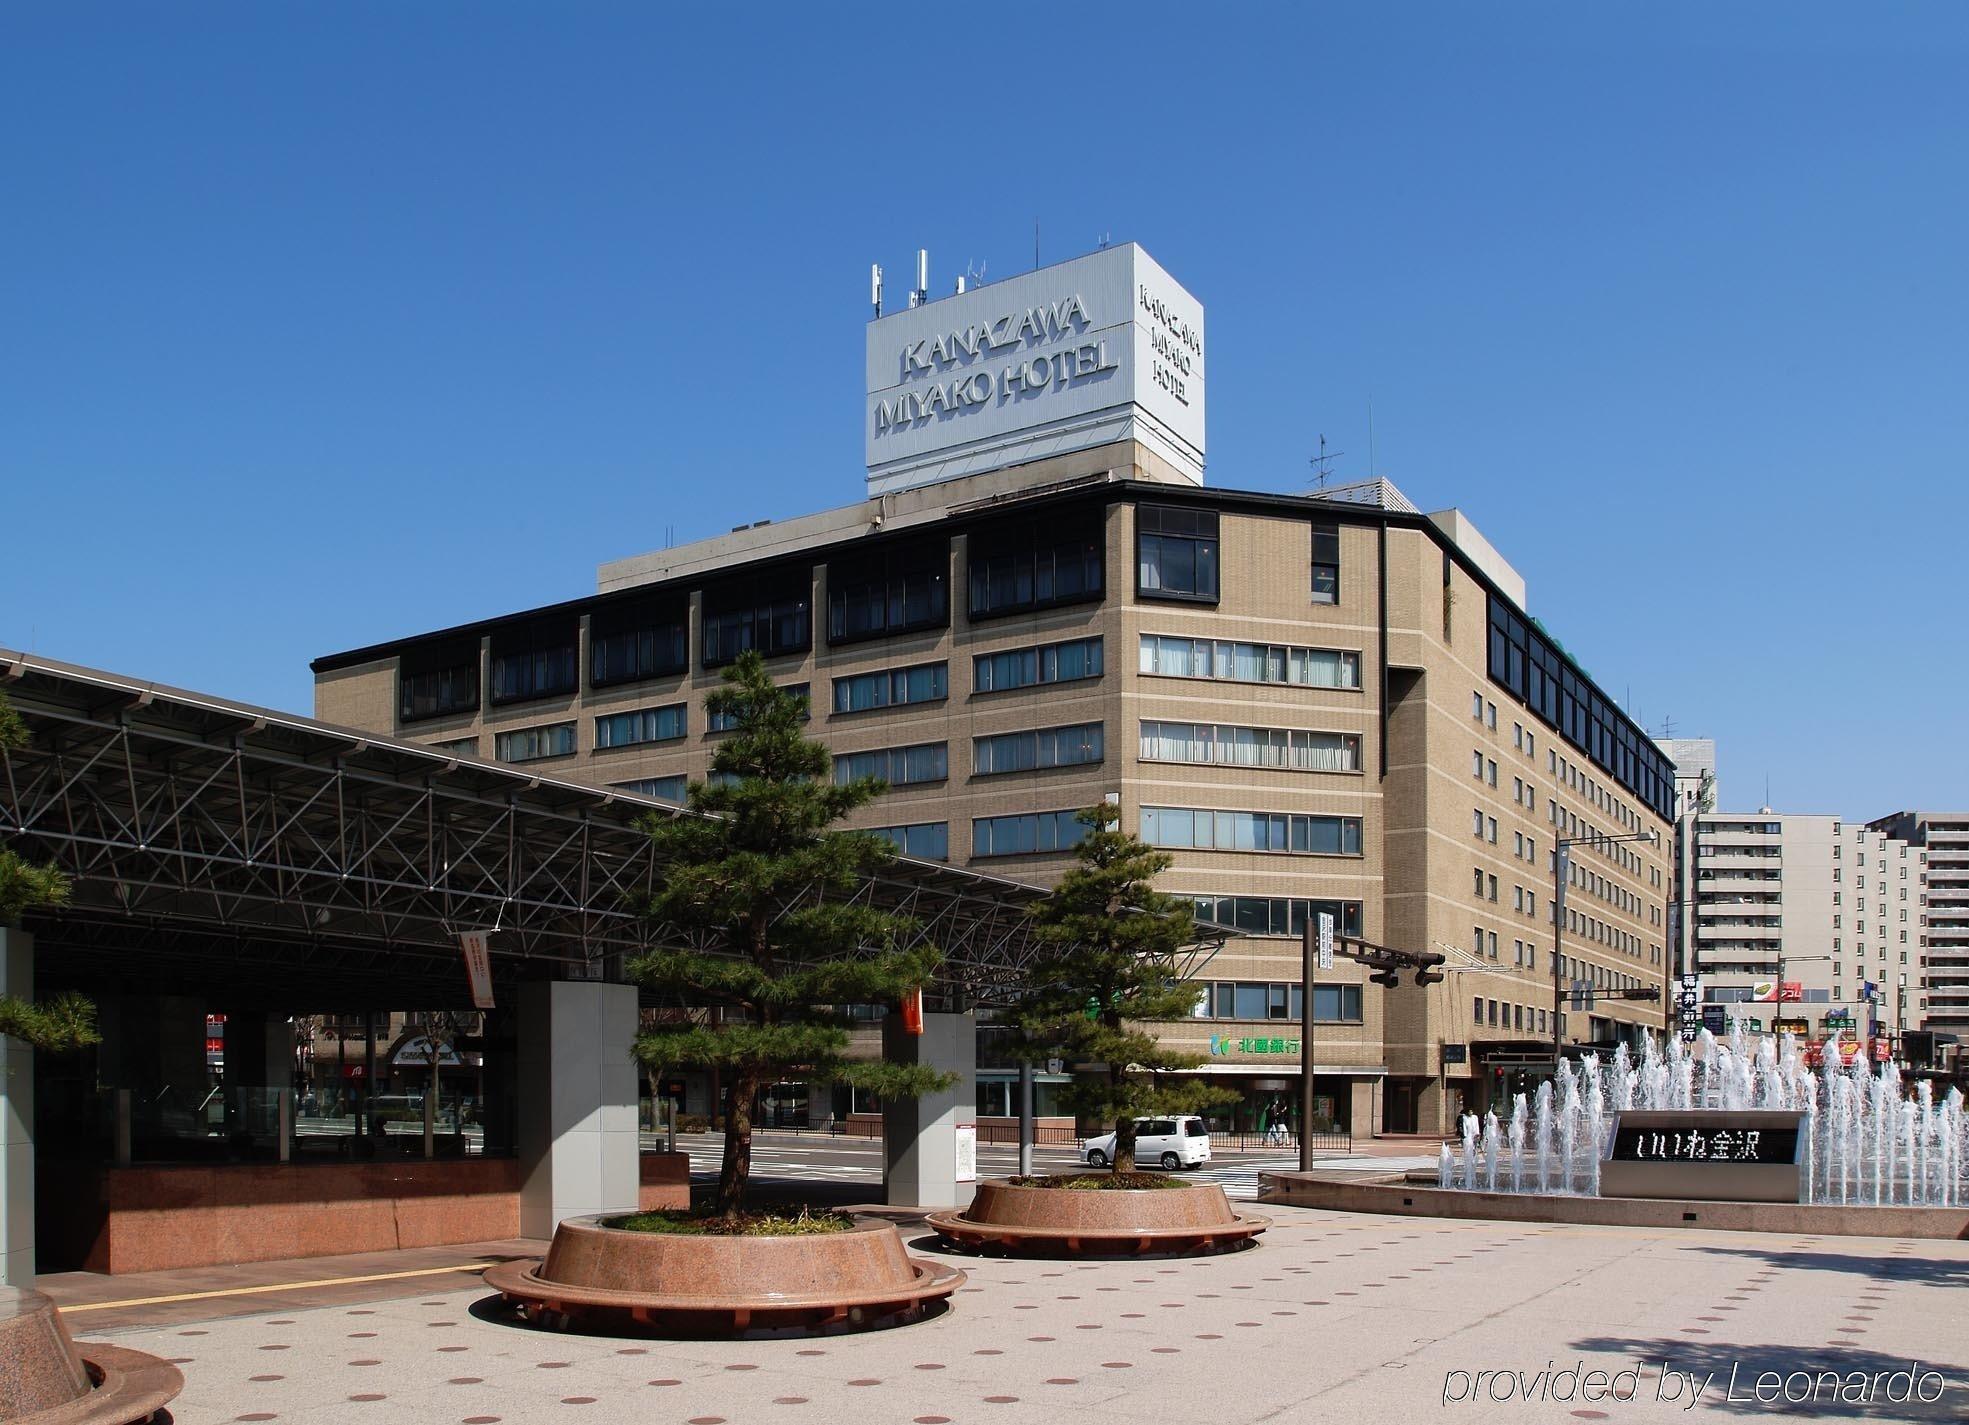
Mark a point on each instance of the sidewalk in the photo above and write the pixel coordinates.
(1372, 1320)
(94, 1303)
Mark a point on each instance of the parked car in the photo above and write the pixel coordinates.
(1169, 1142)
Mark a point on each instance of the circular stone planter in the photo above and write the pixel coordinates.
(1098, 1222)
(604, 1277)
(49, 1380)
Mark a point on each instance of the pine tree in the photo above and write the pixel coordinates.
(1110, 965)
(67, 1021)
(758, 889)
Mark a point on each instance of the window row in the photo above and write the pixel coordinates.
(1527, 662)
(1027, 834)
(1172, 657)
(1245, 999)
(1026, 751)
(927, 840)
(1014, 566)
(1232, 746)
(1186, 828)
(898, 766)
(631, 729)
(1274, 915)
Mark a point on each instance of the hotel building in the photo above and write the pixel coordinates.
(1323, 703)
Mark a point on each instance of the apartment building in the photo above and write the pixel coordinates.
(1939, 924)
(1830, 909)
(1317, 704)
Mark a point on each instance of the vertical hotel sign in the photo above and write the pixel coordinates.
(1102, 348)
(475, 945)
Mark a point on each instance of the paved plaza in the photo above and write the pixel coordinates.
(1332, 1317)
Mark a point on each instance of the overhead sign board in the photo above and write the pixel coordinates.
(1102, 348)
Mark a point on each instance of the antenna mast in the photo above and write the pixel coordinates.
(1320, 465)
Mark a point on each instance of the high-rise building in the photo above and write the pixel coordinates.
(1935, 928)
(1317, 704)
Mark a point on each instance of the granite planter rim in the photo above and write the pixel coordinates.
(117, 1385)
(873, 1281)
(1086, 1221)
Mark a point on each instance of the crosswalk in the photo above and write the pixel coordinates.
(835, 1160)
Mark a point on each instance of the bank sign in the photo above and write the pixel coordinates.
(1221, 1044)
(1103, 348)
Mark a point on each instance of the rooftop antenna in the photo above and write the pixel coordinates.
(921, 292)
(1320, 464)
(1105, 239)
(974, 272)
(960, 284)
(875, 286)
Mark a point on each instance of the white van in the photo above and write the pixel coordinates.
(1168, 1143)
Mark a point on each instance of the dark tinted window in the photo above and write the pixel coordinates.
(1176, 552)
(896, 590)
(536, 659)
(628, 642)
(1033, 564)
(772, 614)
(438, 678)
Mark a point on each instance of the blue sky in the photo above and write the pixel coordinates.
(329, 323)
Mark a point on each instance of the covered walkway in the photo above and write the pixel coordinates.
(233, 859)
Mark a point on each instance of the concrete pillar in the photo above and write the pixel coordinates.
(919, 1136)
(1361, 1108)
(576, 1101)
(16, 1120)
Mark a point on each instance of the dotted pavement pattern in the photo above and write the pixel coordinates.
(1332, 1317)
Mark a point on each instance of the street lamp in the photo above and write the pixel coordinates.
(1561, 863)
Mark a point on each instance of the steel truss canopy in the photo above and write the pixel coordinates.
(212, 842)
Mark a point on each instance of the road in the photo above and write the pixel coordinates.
(811, 1158)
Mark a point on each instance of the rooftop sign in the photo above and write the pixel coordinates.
(1105, 347)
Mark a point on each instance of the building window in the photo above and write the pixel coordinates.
(1274, 915)
(1071, 746)
(1257, 1000)
(898, 590)
(643, 725)
(535, 660)
(438, 679)
(530, 744)
(1030, 834)
(1026, 667)
(1036, 564)
(893, 687)
(458, 746)
(772, 615)
(1176, 552)
(898, 766)
(1232, 746)
(1170, 657)
(1186, 828)
(926, 840)
(727, 721)
(645, 638)
(1326, 563)
(663, 789)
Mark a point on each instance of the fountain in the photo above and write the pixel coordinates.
(1863, 1138)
